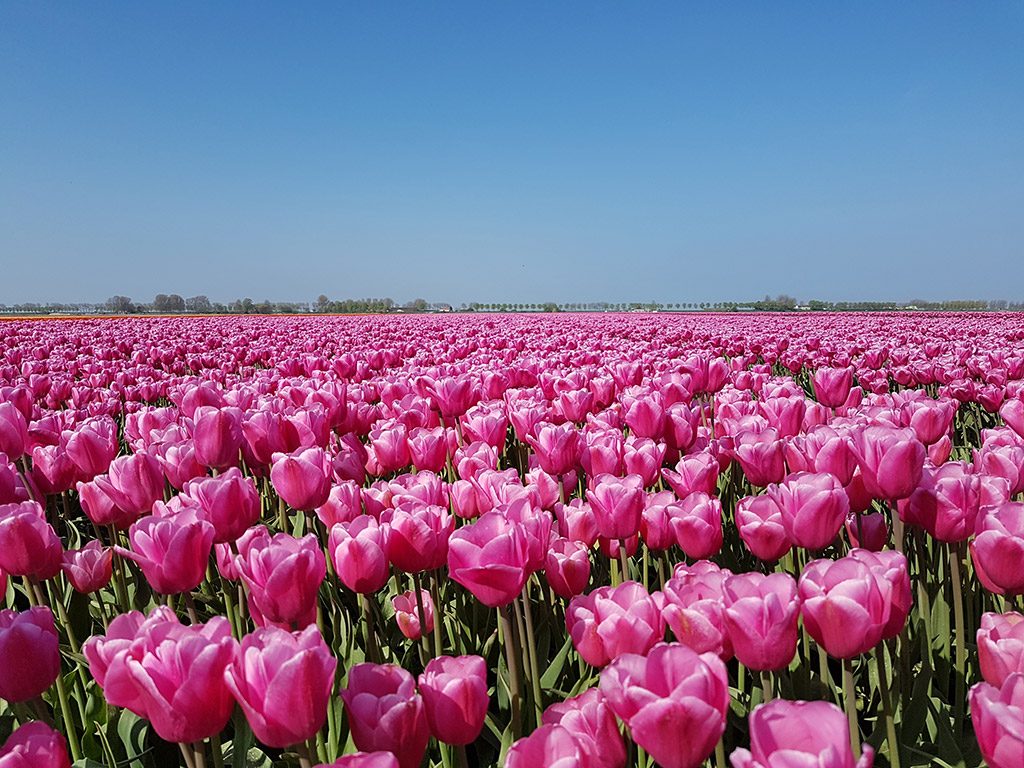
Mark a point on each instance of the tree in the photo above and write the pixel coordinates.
(198, 305)
(120, 305)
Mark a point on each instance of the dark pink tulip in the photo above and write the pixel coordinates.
(890, 566)
(386, 713)
(890, 459)
(589, 718)
(611, 621)
(576, 522)
(417, 536)
(601, 452)
(845, 605)
(489, 557)
(643, 457)
(428, 448)
(618, 505)
(645, 415)
(454, 691)
(567, 567)
(343, 505)
(178, 463)
(34, 745)
(283, 681)
(997, 550)
(302, 479)
(53, 472)
(101, 509)
(948, 500)
(1000, 646)
(813, 508)
(680, 427)
(28, 645)
(761, 614)
(997, 714)
(217, 435)
(230, 503)
(407, 614)
(697, 529)
(28, 544)
(13, 431)
(363, 760)
(357, 551)
(693, 605)
(696, 473)
(822, 449)
(655, 525)
(453, 395)
(557, 447)
(172, 551)
(389, 448)
(832, 385)
(1012, 413)
(869, 532)
(89, 568)
(800, 733)
(761, 457)
(93, 446)
(674, 702)
(283, 575)
(551, 746)
(760, 526)
(134, 482)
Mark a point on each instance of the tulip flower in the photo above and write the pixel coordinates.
(28, 544)
(1000, 646)
(556, 447)
(589, 718)
(673, 700)
(363, 760)
(407, 614)
(28, 644)
(34, 745)
(417, 536)
(791, 733)
(217, 435)
(489, 557)
(997, 550)
(611, 621)
(357, 551)
(173, 551)
(618, 504)
(694, 473)
(303, 478)
(567, 567)
(761, 457)
(88, 569)
(283, 575)
(386, 713)
(869, 532)
(813, 508)
(13, 431)
(283, 681)
(832, 385)
(230, 503)
(551, 746)
(697, 529)
(997, 714)
(761, 614)
(693, 603)
(760, 525)
(890, 459)
(454, 691)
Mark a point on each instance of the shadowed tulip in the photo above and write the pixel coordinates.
(386, 713)
(997, 550)
(88, 569)
(551, 746)
(1000, 646)
(28, 544)
(34, 745)
(761, 615)
(28, 645)
(567, 567)
(997, 714)
(454, 691)
(407, 614)
(589, 718)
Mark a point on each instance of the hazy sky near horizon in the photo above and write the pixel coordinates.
(521, 151)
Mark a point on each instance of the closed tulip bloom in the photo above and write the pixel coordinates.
(601, 452)
(997, 550)
(386, 713)
(172, 551)
(1012, 413)
(283, 681)
(997, 714)
(489, 558)
(822, 449)
(618, 504)
(303, 478)
(695, 473)
(611, 621)
(551, 746)
(693, 608)
(948, 500)
(13, 431)
(643, 457)
(283, 575)
(388, 448)
(230, 503)
(785, 734)
(556, 447)
(363, 760)
(93, 446)
(869, 532)
(34, 745)
(454, 691)
(697, 529)
(761, 457)
(168, 673)
(53, 472)
(134, 482)
(813, 508)
(428, 448)
(407, 614)
(673, 700)
(760, 525)
(28, 544)
(890, 459)
(1001, 646)
(217, 435)
(417, 536)
(88, 569)
(29, 647)
(891, 566)
(845, 605)
(761, 615)
(589, 718)
(832, 385)
(567, 567)
(344, 504)
(645, 415)
(357, 551)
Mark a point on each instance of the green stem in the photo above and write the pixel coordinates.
(961, 639)
(418, 589)
(511, 660)
(886, 696)
(850, 704)
(538, 701)
(767, 686)
(218, 751)
(69, 724)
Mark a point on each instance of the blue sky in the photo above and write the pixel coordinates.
(512, 151)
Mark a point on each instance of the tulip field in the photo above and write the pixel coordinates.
(602, 540)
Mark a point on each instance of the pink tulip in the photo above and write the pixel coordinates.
(832, 385)
(357, 551)
(948, 500)
(813, 508)
(761, 614)
(797, 733)
(170, 674)
(618, 504)
(693, 608)
(344, 504)
(302, 479)
(673, 700)
(869, 532)
(997, 550)
(389, 448)
(645, 415)
(567, 567)
(1012, 413)
(761, 457)
(1000, 646)
(407, 614)
(93, 446)
(28, 544)
(363, 760)
(697, 529)
(34, 745)
(612, 621)
(551, 746)
(53, 472)
(589, 718)
(417, 536)
(230, 503)
(28, 644)
(217, 435)
(454, 691)
(489, 557)
(283, 575)
(386, 713)
(172, 551)
(134, 483)
(694, 473)
(760, 526)
(283, 681)
(88, 569)
(997, 714)
(557, 447)
(891, 460)
(13, 431)
(428, 448)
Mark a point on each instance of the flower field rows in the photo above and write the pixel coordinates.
(770, 541)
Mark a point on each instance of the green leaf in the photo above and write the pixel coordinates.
(242, 742)
(554, 670)
(132, 730)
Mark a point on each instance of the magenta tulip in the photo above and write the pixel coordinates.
(28, 644)
(357, 551)
(813, 507)
(1000, 646)
(612, 621)
(454, 691)
(172, 551)
(761, 614)
(997, 714)
(303, 478)
(88, 569)
(283, 575)
(489, 557)
(28, 544)
(386, 713)
(34, 745)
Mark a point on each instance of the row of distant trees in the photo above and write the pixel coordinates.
(169, 304)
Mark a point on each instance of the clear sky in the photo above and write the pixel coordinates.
(512, 151)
